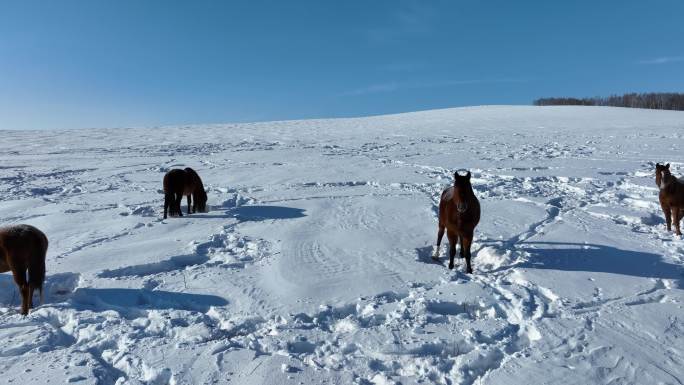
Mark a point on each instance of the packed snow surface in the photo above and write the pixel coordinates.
(313, 263)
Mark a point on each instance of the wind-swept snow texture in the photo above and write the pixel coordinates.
(313, 264)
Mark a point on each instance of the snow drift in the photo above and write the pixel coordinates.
(313, 263)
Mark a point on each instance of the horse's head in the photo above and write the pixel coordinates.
(201, 200)
(662, 175)
(462, 191)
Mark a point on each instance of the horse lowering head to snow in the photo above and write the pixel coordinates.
(178, 183)
(459, 213)
(671, 196)
(22, 250)
(195, 187)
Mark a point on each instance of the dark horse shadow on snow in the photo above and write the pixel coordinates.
(261, 213)
(258, 213)
(599, 259)
(125, 300)
(582, 257)
(424, 255)
(62, 287)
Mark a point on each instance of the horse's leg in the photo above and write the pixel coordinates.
(676, 217)
(31, 289)
(166, 204)
(440, 234)
(461, 251)
(189, 203)
(466, 242)
(666, 211)
(177, 204)
(453, 239)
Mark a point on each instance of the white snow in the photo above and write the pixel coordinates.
(314, 263)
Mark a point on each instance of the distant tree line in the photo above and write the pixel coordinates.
(656, 101)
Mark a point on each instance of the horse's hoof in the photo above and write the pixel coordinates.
(451, 266)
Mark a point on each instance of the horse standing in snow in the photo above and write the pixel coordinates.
(671, 196)
(22, 249)
(459, 213)
(186, 182)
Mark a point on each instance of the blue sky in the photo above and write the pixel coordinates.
(94, 63)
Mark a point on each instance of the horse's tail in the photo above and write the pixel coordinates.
(36, 269)
(36, 275)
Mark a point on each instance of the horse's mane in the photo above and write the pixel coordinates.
(467, 185)
(672, 178)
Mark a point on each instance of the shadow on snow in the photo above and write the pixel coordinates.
(261, 213)
(255, 213)
(62, 287)
(599, 259)
(580, 257)
(424, 255)
(127, 299)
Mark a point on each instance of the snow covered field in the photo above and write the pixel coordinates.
(313, 265)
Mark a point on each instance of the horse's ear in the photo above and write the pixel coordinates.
(667, 166)
(468, 175)
(456, 175)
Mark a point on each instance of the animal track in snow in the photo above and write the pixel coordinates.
(225, 249)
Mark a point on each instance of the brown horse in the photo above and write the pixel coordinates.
(186, 182)
(22, 249)
(459, 213)
(671, 196)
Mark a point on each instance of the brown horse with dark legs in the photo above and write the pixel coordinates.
(459, 213)
(22, 250)
(671, 196)
(178, 183)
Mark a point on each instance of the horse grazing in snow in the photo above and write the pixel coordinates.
(178, 183)
(671, 196)
(22, 249)
(459, 213)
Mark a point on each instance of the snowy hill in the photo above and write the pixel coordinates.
(313, 265)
